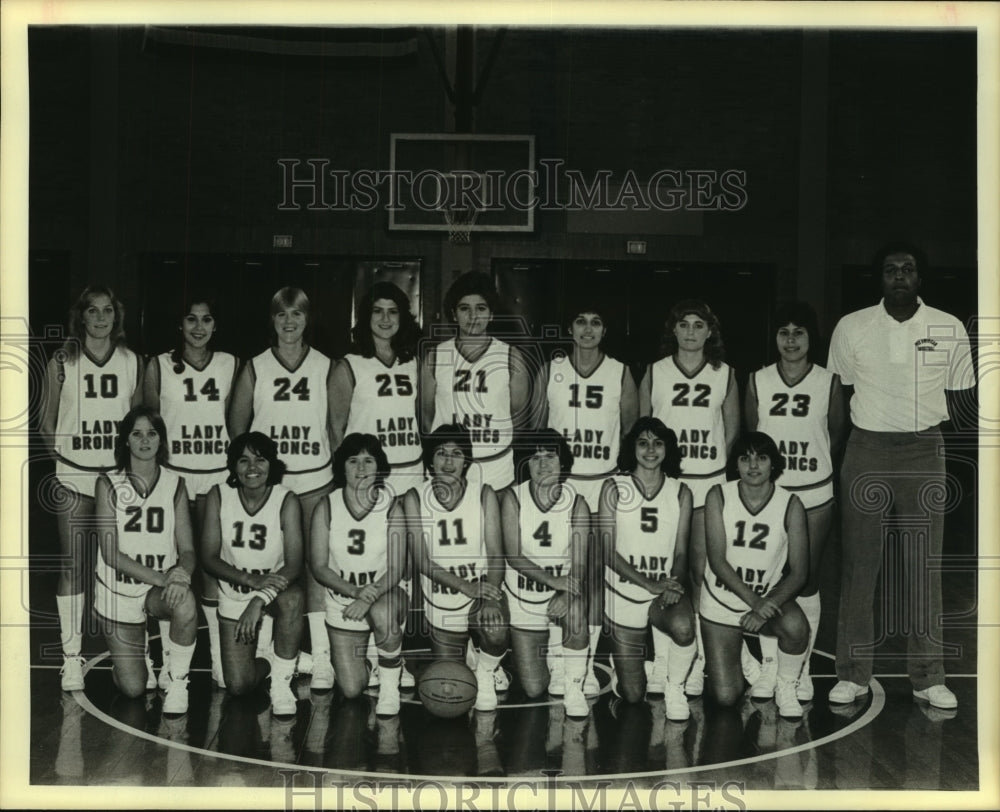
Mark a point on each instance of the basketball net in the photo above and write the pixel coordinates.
(460, 220)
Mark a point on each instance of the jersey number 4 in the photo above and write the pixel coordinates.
(780, 405)
(301, 389)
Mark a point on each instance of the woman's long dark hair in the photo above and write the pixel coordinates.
(404, 343)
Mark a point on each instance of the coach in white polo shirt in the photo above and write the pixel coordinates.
(897, 360)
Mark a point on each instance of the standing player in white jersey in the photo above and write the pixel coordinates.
(284, 393)
(455, 524)
(545, 528)
(190, 387)
(358, 552)
(476, 381)
(801, 404)
(693, 391)
(90, 383)
(373, 390)
(755, 529)
(146, 558)
(592, 400)
(645, 520)
(252, 543)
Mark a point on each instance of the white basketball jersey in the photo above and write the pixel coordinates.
(359, 545)
(546, 538)
(475, 394)
(456, 542)
(756, 543)
(290, 406)
(586, 410)
(252, 542)
(645, 533)
(691, 405)
(193, 406)
(145, 529)
(385, 404)
(795, 416)
(93, 399)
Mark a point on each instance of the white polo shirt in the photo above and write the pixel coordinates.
(900, 370)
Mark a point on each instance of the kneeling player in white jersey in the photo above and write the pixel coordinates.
(458, 550)
(801, 404)
(545, 528)
(146, 558)
(755, 529)
(252, 542)
(357, 552)
(644, 520)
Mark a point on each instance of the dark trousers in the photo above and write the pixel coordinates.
(893, 489)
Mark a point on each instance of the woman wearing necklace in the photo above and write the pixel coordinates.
(545, 527)
(253, 545)
(755, 529)
(146, 558)
(693, 391)
(190, 387)
(801, 404)
(592, 400)
(644, 520)
(284, 393)
(455, 524)
(89, 386)
(357, 552)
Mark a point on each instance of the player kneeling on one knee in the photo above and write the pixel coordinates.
(758, 560)
(644, 520)
(358, 552)
(252, 542)
(545, 525)
(146, 558)
(456, 529)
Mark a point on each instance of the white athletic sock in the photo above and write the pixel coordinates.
(214, 646)
(789, 665)
(811, 609)
(697, 636)
(282, 668)
(317, 636)
(165, 639)
(265, 637)
(373, 652)
(679, 659)
(768, 647)
(488, 662)
(661, 644)
(595, 637)
(180, 659)
(555, 647)
(71, 623)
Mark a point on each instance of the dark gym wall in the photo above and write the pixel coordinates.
(136, 151)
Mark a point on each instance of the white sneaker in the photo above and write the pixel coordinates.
(72, 673)
(939, 696)
(304, 664)
(283, 701)
(656, 676)
(695, 684)
(784, 698)
(750, 665)
(406, 679)
(175, 698)
(322, 674)
(501, 680)
(557, 678)
(574, 701)
(676, 702)
(164, 678)
(764, 686)
(388, 695)
(846, 691)
(591, 687)
(151, 682)
(486, 695)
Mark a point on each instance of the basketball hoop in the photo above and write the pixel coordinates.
(460, 220)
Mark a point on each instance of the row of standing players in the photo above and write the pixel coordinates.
(306, 406)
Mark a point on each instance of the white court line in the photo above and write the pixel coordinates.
(873, 710)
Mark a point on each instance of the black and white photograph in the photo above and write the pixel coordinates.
(556, 405)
